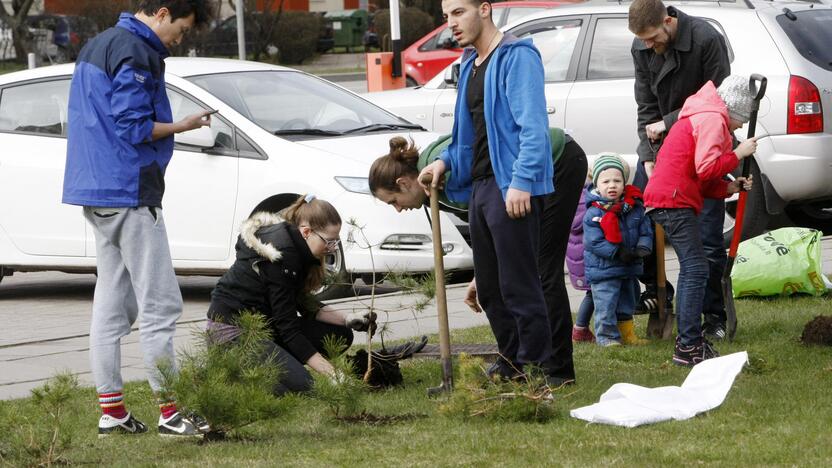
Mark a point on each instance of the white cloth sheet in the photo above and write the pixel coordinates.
(630, 405)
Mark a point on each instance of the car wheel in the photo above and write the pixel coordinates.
(410, 82)
(338, 283)
(756, 217)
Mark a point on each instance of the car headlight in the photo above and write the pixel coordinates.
(355, 184)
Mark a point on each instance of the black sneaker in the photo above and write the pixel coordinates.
(500, 370)
(128, 425)
(715, 332)
(648, 303)
(689, 356)
(178, 426)
(199, 422)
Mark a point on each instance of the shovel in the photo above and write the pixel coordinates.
(441, 299)
(660, 324)
(727, 287)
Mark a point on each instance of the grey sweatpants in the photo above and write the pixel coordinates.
(135, 279)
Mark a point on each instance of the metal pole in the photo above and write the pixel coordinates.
(396, 38)
(241, 30)
(32, 60)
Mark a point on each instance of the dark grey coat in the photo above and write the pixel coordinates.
(663, 82)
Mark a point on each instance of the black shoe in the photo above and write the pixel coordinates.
(178, 426)
(689, 356)
(555, 382)
(715, 331)
(501, 370)
(108, 425)
(648, 303)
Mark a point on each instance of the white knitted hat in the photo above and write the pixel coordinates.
(737, 96)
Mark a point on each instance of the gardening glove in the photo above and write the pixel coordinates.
(361, 321)
(402, 351)
(625, 255)
(642, 251)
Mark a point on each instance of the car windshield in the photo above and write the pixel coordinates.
(295, 105)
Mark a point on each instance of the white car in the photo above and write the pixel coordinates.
(590, 80)
(279, 133)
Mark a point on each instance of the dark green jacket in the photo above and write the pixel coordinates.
(431, 153)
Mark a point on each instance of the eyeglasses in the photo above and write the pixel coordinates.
(331, 244)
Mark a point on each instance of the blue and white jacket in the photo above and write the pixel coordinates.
(600, 255)
(117, 93)
(516, 123)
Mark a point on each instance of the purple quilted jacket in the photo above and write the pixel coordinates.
(575, 249)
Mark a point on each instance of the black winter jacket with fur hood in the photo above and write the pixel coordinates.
(268, 277)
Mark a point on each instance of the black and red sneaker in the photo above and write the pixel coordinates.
(689, 356)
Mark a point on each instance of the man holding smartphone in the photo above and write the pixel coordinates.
(119, 142)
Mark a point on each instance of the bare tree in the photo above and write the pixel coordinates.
(16, 20)
(262, 24)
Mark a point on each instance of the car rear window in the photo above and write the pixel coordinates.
(811, 33)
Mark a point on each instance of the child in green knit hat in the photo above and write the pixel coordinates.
(617, 235)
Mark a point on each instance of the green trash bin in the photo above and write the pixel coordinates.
(348, 27)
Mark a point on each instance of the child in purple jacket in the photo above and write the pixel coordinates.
(575, 264)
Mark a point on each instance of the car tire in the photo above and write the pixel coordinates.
(340, 283)
(410, 82)
(756, 216)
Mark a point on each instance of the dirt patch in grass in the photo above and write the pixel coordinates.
(818, 331)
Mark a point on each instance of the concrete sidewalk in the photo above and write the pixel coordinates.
(41, 338)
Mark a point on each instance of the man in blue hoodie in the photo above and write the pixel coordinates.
(500, 163)
(119, 142)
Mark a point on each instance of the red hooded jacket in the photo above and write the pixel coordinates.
(695, 155)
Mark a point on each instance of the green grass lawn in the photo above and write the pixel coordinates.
(8, 67)
(777, 414)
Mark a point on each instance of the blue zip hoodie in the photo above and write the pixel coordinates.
(117, 93)
(516, 123)
(600, 255)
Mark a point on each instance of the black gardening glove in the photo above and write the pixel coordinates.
(625, 255)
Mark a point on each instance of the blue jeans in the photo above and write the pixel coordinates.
(585, 311)
(615, 301)
(711, 221)
(683, 229)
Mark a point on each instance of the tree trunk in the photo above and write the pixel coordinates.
(21, 37)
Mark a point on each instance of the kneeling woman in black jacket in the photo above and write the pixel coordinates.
(279, 262)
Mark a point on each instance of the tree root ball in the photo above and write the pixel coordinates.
(818, 331)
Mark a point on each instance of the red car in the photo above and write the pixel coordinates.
(432, 53)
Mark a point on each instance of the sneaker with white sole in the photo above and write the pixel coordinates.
(108, 425)
(178, 426)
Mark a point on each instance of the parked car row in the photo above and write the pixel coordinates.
(279, 133)
(590, 78)
(438, 49)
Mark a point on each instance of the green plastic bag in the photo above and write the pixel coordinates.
(780, 263)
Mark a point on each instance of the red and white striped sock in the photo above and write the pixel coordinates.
(168, 409)
(112, 404)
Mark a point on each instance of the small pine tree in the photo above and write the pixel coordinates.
(230, 384)
(475, 395)
(342, 393)
(44, 425)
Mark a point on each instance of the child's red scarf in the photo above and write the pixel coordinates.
(613, 210)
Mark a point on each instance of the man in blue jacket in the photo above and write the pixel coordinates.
(119, 142)
(500, 162)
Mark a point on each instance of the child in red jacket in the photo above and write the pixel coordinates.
(691, 166)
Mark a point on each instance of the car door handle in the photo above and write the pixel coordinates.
(550, 110)
(446, 114)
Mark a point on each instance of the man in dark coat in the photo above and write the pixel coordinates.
(674, 56)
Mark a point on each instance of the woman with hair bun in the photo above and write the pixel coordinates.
(393, 180)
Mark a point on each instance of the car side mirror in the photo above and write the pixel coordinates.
(202, 137)
(452, 75)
